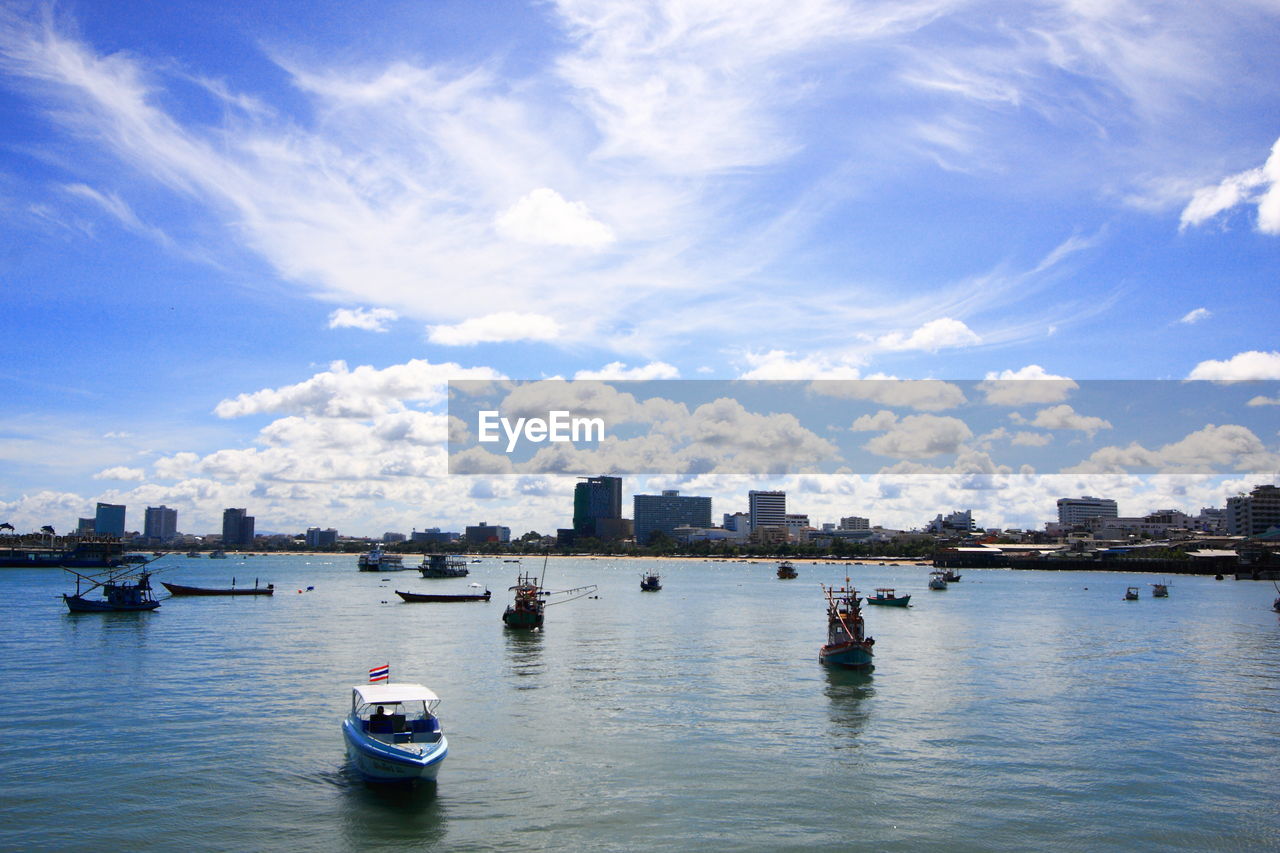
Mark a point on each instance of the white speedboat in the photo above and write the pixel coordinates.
(393, 734)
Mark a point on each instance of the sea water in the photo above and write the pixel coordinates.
(1013, 711)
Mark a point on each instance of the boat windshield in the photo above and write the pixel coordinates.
(415, 709)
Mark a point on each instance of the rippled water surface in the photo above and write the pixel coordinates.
(1015, 711)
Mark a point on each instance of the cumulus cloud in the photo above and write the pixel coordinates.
(921, 437)
(1028, 385)
(361, 393)
(926, 395)
(544, 216)
(1261, 400)
(1260, 187)
(932, 336)
(1208, 450)
(781, 364)
(1063, 417)
(1246, 365)
(369, 319)
(503, 326)
(1030, 439)
(1196, 315)
(879, 422)
(618, 370)
(121, 472)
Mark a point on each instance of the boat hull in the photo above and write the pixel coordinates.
(383, 762)
(434, 597)
(76, 604)
(179, 589)
(901, 601)
(847, 655)
(521, 619)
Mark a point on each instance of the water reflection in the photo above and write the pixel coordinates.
(849, 693)
(376, 814)
(524, 651)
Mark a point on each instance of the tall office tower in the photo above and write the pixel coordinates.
(1078, 511)
(596, 500)
(161, 524)
(237, 528)
(1255, 513)
(109, 520)
(665, 512)
(767, 509)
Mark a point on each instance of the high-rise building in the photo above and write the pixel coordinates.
(109, 520)
(665, 512)
(478, 534)
(1255, 513)
(855, 522)
(767, 509)
(317, 538)
(596, 502)
(85, 527)
(237, 528)
(1075, 512)
(160, 524)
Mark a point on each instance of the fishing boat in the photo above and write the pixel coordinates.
(122, 592)
(442, 597)
(443, 566)
(377, 560)
(526, 612)
(786, 571)
(847, 644)
(886, 597)
(937, 580)
(218, 555)
(650, 582)
(404, 745)
(951, 576)
(179, 589)
(1131, 594)
(1159, 590)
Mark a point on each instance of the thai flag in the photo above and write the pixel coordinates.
(380, 673)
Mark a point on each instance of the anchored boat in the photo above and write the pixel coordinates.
(393, 733)
(443, 566)
(650, 582)
(886, 597)
(442, 597)
(938, 580)
(1131, 594)
(179, 589)
(1159, 590)
(786, 571)
(526, 612)
(121, 592)
(377, 560)
(847, 644)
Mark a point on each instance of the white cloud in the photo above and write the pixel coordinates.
(1260, 400)
(1063, 417)
(369, 319)
(618, 370)
(921, 437)
(504, 326)
(1196, 315)
(879, 422)
(781, 364)
(1260, 186)
(1030, 384)
(932, 336)
(360, 393)
(121, 472)
(1245, 365)
(926, 395)
(545, 217)
(1208, 450)
(1030, 439)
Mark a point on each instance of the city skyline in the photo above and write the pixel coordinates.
(244, 255)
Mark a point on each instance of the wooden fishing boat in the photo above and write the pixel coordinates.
(1159, 590)
(179, 589)
(938, 580)
(786, 571)
(887, 598)
(847, 644)
(650, 582)
(122, 592)
(442, 597)
(951, 576)
(443, 566)
(404, 745)
(526, 612)
(1131, 594)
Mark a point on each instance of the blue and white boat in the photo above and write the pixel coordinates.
(847, 643)
(393, 733)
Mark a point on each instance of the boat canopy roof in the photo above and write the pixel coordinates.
(389, 694)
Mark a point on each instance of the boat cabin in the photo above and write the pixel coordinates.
(396, 713)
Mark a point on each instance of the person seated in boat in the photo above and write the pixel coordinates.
(380, 715)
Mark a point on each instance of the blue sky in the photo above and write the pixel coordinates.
(244, 248)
